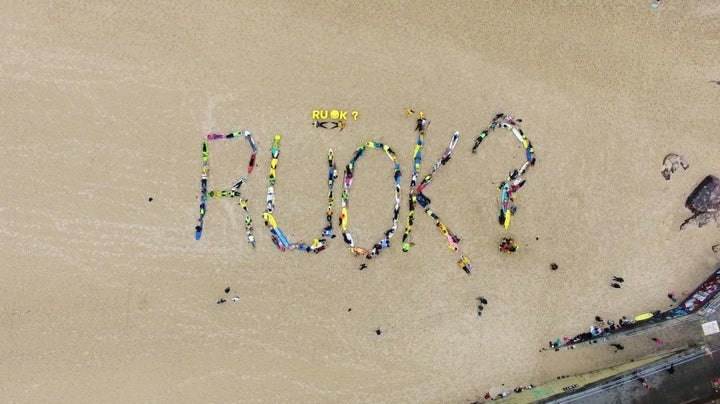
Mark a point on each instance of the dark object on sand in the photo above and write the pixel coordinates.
(704, 202)
(671, 163)
(554, 266)
(227, 289)
(150, 199)
(618, 279)
(598, 319)
(716, 248)
(482, 300)
(378, 332)
(615, 285)
(221, 301)
(706, 196)
(671, 369)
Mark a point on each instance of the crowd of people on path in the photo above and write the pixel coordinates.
(600, 330)
(504, 393)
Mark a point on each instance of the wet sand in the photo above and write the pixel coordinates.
(108, 297)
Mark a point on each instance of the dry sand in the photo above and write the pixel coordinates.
(106, 297)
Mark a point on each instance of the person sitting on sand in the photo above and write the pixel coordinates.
(421, 122)
(507, 245)
(465, 264)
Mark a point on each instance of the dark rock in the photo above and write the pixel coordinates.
(706, 196)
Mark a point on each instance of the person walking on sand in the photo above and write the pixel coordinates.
(658, 341)
(619, 347)
(618, 279)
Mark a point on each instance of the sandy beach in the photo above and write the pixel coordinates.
(107, 297)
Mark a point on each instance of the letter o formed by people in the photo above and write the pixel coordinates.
(347, 183)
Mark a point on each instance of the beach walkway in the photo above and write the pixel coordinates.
(694, 367)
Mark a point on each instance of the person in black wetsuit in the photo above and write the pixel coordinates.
(338, 124)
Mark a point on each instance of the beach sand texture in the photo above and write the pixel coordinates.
(106, 297)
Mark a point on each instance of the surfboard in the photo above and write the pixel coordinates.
(281, 236)
(251, 164)
(644, 316)
(275, 148)
(270, 219)
(251, 141)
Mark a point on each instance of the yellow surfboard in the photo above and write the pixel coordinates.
(344, 219)
(644, 316)
(270, 219)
